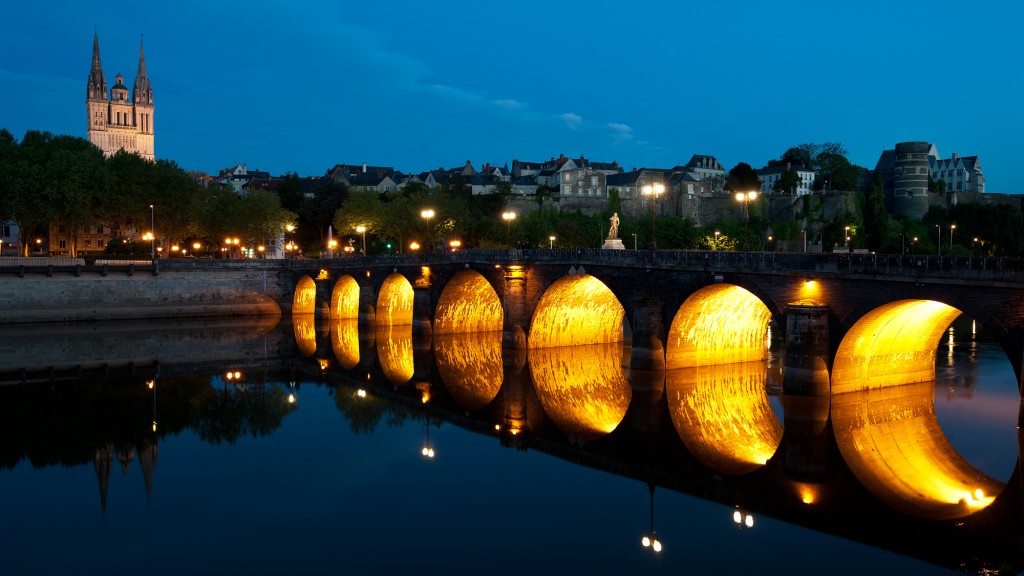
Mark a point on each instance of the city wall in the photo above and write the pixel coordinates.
(62, 293)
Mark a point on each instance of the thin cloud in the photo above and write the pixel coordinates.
(572, 121)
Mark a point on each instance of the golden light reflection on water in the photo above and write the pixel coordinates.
(345, 298)
(304, 326)
(576, 310)
(468, 304)
(892, 441)
(394, 304)
(723, 416)
(304, 299)
(345, 341)
(893, 344)
(582, 389)
(394, 352)
(718, 324)
(470, 367)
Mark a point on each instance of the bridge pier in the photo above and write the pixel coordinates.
(367, 302)
(515, 388)
(422, 308)
(806, 392)
(648, 335)
(516, 310)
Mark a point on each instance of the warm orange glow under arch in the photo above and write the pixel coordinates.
(582, 389)
(394, 353)
(893, 344)
(576, 310)
(723, 416)
(718, 324)
(470, 366)
(468, 303)
(304, 326)
(345, 298)
(394, 304)
(345, 341)
(304, 299)
(892, 442)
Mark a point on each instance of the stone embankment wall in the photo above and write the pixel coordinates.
(40, 293)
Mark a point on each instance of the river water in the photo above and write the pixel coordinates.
(228, 447)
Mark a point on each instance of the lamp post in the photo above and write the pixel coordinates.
(913, 245)
(717, 234)
(508, 217)
(846, 234)
(746, 198)
(152, 227)
(427, 215)
(803, 233)
(455, 244)
(653, 190)
(362, 231)
(938, 245)
(951, 228)
(551, 242)
(634, 241)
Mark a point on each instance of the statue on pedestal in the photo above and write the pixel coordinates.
(613, 242)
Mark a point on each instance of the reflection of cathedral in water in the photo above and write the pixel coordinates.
(103, 463)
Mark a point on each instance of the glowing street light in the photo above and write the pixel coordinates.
(717, 234)
(551, 242)
(508, 217)
(951, 228)
(362, 230)
(414, 246)
(427, 215)
(746, 198)
(455, 244)
(152, 226)
(847, 229)
(653, 190)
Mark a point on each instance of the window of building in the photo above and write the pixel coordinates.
(88, 243)
(62, 244)
(6, 230)
(99, 243)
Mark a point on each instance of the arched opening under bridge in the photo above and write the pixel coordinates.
(394, 303)
(345, 298)
(468, 303)
(718, 324)
(576, 309)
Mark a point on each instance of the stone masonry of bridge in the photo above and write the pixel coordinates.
(651, 291)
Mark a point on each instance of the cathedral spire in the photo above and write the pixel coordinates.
(96, 87)
(142, 92)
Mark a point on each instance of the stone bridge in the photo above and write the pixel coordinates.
(860, 320)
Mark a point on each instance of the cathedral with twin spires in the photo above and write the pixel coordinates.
(115, 121)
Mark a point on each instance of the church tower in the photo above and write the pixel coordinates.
(116, 121)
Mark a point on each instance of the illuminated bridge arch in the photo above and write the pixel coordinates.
(718, 324)
(468, 303)
(891, 345)
(345, 298)
(394, 304)
(304, 299)
(576, 309)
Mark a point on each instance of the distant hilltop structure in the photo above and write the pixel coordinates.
(907, 169)
(117, 122)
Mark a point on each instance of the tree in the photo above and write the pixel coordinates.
(742, 178)
(838, 172)
(290, 192)
(75, 181)
(362, 208)
(788, 182)
(876, 217)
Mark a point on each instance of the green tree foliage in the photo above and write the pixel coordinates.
(876, 218)
(290, 192)
(787, 183)
(837, 171)
(742, 178)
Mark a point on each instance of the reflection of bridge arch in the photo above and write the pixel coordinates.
(304, 299)
(468, 303)
(883, 413)
(576, 309)
(718, 324)
(345, 341)
(394, 304)
(345, 298)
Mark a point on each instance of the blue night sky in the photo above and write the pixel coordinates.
(301, 86)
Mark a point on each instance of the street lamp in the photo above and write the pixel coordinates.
(455, 244)
(847, 234)
(508, 217)
(414, 246)
(653, 190)
(746, 198)
(427, 215)
(362, 230)
(551, 242)
(951, 228)
(152, 226)
(803, 234)
(717, 234)
(913, 245)
(938, 244)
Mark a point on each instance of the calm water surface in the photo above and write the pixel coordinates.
(237, 478)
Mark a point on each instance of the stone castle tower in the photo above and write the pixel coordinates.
(115, 121)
